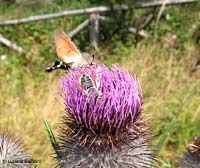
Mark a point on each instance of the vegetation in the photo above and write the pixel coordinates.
(166, 70)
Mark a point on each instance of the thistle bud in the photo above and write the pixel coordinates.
(191, 158)
(12, 153)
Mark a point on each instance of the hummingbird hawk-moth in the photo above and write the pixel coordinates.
(68, 54)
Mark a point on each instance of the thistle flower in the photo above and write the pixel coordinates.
(191, 158)
(102, 126)
(12, 153)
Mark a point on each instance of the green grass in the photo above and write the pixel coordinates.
(170, 87)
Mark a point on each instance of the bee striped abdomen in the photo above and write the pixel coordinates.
(89, 87)
(87, 83)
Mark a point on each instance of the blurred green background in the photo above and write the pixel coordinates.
(167, 69)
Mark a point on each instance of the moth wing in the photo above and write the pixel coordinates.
(66, 49)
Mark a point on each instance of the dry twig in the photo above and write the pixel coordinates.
(9, 44)
(99, 9)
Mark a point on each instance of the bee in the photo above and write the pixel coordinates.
(89, 85)
(68, 54)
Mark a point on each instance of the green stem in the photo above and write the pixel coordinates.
(51, 135)
(165, 135)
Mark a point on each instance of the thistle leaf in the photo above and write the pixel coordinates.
(51, 135)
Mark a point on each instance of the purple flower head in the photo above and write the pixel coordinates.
(102, 127)
(112, 102)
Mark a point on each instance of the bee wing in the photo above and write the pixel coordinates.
(66, 49)
(98, 77)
